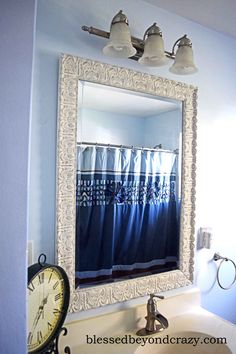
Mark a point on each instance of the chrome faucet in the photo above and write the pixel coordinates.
(156, 322)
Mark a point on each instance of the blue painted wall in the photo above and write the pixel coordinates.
(16, 47)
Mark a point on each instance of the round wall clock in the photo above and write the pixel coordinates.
(48, 301)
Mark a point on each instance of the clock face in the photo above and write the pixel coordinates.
(46, 302)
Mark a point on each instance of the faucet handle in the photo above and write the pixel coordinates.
(158, 296)
(152, 303)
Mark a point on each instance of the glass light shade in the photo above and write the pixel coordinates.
(184, 64)
(119, 44)
(154, 54)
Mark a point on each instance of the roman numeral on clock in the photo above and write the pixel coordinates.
(58, 296)
(30, 338)
(50, 278)
(39, 336)
(49, 326)
(41, 278)
(55, 285)
(31, 287)
(56, 312)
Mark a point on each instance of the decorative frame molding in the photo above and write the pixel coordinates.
(73, 69)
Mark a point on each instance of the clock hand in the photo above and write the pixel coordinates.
(37, 318)
(39, 312)
(45, 300)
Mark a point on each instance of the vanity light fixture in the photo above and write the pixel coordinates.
(120, 44)
(148, 51)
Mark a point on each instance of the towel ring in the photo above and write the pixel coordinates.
(223, 259)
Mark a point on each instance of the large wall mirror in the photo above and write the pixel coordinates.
(125, 182)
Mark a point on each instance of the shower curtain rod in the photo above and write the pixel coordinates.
(156, 148)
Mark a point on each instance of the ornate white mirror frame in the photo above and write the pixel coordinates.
(72, 70)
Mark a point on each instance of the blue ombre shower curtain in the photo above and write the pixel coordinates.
(126, 205)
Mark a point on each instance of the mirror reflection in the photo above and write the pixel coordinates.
(129, 148)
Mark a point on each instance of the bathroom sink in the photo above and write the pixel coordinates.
(186, 319)
(184, 342)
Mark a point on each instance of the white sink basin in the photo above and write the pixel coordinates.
(184, 342)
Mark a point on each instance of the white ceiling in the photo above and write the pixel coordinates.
(219, 15)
